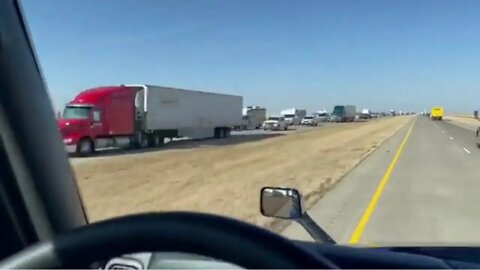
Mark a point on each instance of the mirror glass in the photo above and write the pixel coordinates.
(281, 202)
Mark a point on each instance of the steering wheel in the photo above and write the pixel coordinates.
(214, 236)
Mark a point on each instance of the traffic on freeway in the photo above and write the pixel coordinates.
(188, 134)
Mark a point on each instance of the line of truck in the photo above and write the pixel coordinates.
(143, 116)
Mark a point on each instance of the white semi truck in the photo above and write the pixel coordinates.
(365, 114)
(321, 115)
(252, 118)
(293, 116)
(343, 113)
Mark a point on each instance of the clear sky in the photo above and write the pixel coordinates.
(380, 54)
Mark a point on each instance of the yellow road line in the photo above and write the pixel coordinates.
(357, 233)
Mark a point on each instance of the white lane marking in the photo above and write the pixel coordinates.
(466, 150)
(451, 138)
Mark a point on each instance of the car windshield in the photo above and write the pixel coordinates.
(76, 112)
(176, 138)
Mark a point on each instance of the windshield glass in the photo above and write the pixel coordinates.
(338, 110)
(76, 112)
(387, 178)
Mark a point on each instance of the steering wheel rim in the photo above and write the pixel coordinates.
(214, 236)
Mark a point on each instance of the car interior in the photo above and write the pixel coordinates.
(44, 223)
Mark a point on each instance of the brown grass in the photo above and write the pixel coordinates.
(469, 122)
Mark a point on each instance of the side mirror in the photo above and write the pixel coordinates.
(280, 202)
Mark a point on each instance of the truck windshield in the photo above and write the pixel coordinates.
(76, 112)
(290, 115)
(308, 117)
(338, 110)
(274, 118)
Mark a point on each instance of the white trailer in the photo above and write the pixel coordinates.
(252, 117)
(293, 116)
(321, 115)
(365, 114)
(186, 113)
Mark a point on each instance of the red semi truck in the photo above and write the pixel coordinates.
(143, 116)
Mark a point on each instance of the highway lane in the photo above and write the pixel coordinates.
(429, 195)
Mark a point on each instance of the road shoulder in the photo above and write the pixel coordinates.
(340, 209)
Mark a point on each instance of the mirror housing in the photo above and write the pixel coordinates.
(281, 202)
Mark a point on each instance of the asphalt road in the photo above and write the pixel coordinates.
(421, 187)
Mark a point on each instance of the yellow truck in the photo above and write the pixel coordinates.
(437, 113)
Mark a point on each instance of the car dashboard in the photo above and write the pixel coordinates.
(342, 256)
(167, 260)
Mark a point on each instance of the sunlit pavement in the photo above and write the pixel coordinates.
(429, 195)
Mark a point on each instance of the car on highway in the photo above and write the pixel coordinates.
(275, 123)
(310, 120)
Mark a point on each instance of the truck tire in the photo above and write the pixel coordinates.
(223, 133)
(151, 140)
(85, 147)
(216, 133)
(227, 133)
(158, 140)
(141, 140)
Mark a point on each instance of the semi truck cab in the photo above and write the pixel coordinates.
(79, 121)
(94, 115)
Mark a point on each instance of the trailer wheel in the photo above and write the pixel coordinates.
(158, 140)
(142, 140)
(85, 147)
(151, 140)
(226, 132)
